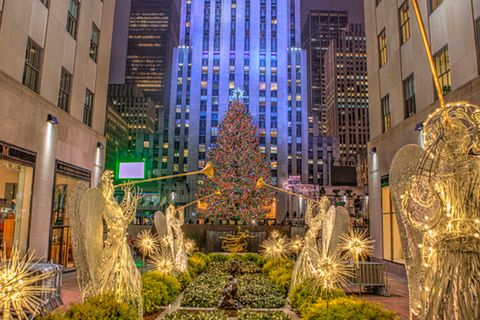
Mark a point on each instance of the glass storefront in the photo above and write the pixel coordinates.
(66, 179)
(16, 181)
(392, 246)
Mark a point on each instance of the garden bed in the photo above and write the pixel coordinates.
(222, 315)
(255, 290)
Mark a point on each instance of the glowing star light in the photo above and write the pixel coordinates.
(357, 246)
(19, 292)
(147, 242)
(163, 263)
(296, 244)
(330, 270)
(275, 248)
(190, 246)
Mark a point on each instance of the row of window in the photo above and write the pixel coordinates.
(31, 79)
(432, 4)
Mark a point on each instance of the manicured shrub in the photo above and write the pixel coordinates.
(207, 315)
(280, 273)
(95, 308)
(300, 296)
(157, 290)
(196, 265)
(217, 257)
(258, 259)
(202, 256)
(184, 279)
(254, 288)
(347, 308)
(266, 315)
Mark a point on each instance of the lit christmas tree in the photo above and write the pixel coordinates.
(238, 164)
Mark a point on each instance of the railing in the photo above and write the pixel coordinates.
(52, 298)
(374, 278)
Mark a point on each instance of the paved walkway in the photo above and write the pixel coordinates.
(397, 302)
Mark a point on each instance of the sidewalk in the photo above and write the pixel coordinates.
(397, 302)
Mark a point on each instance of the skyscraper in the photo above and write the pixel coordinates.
(152, 36)
(246, 44)
(321, 26)
(346, 92)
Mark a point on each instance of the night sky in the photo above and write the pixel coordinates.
(122, 12)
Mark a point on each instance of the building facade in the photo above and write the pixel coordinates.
(251, 45)
(152, 35)
(116, 133)
(321, 26)
(402, 90)
(53, 83)
(346, 92)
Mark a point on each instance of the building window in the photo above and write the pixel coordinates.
(72, 18)
(87, 109)
(94, 43)
(404, 13)
(434, 4)
(409, 91)
(382, 48)
(392, 246)
(442, 64)
(31, 73)
(386, 113)
(64, 92)
(477, 38)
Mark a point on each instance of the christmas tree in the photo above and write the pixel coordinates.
(238, 164)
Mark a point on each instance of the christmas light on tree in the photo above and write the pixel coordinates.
(238, 164)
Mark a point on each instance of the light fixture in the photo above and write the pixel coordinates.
(373, 150)
(100, 145)
(52, 119)
(419, 126)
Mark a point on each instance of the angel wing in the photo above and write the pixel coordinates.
(160, 224)
(403, 174)
(91, 212)
(335, 224)
(76, 234)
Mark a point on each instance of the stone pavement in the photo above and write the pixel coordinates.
(397, 302)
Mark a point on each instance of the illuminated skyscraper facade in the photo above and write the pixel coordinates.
(152, 36)
(320, 28)
(346, 92)
(246, 44)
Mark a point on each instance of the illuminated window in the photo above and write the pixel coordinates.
(146, 144)
(231, 85)
(273, 86)
(404, 22)
(262, 86)
(382, 48)
(442, 64)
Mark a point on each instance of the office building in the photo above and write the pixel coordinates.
(116, 133)
(152, 35)
(346, 93)
(402, 91)
(246, 44)
(54, 58)
(321, 26)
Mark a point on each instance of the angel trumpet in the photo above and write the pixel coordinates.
(208, 171)
(218, 193)
(261, 183)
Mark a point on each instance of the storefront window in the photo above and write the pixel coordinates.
(66, 179)
(15, 200)
(392, 247)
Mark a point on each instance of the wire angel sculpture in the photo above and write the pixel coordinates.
(332, 222)
(437, 204)
(169, 229)
(110, 268)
